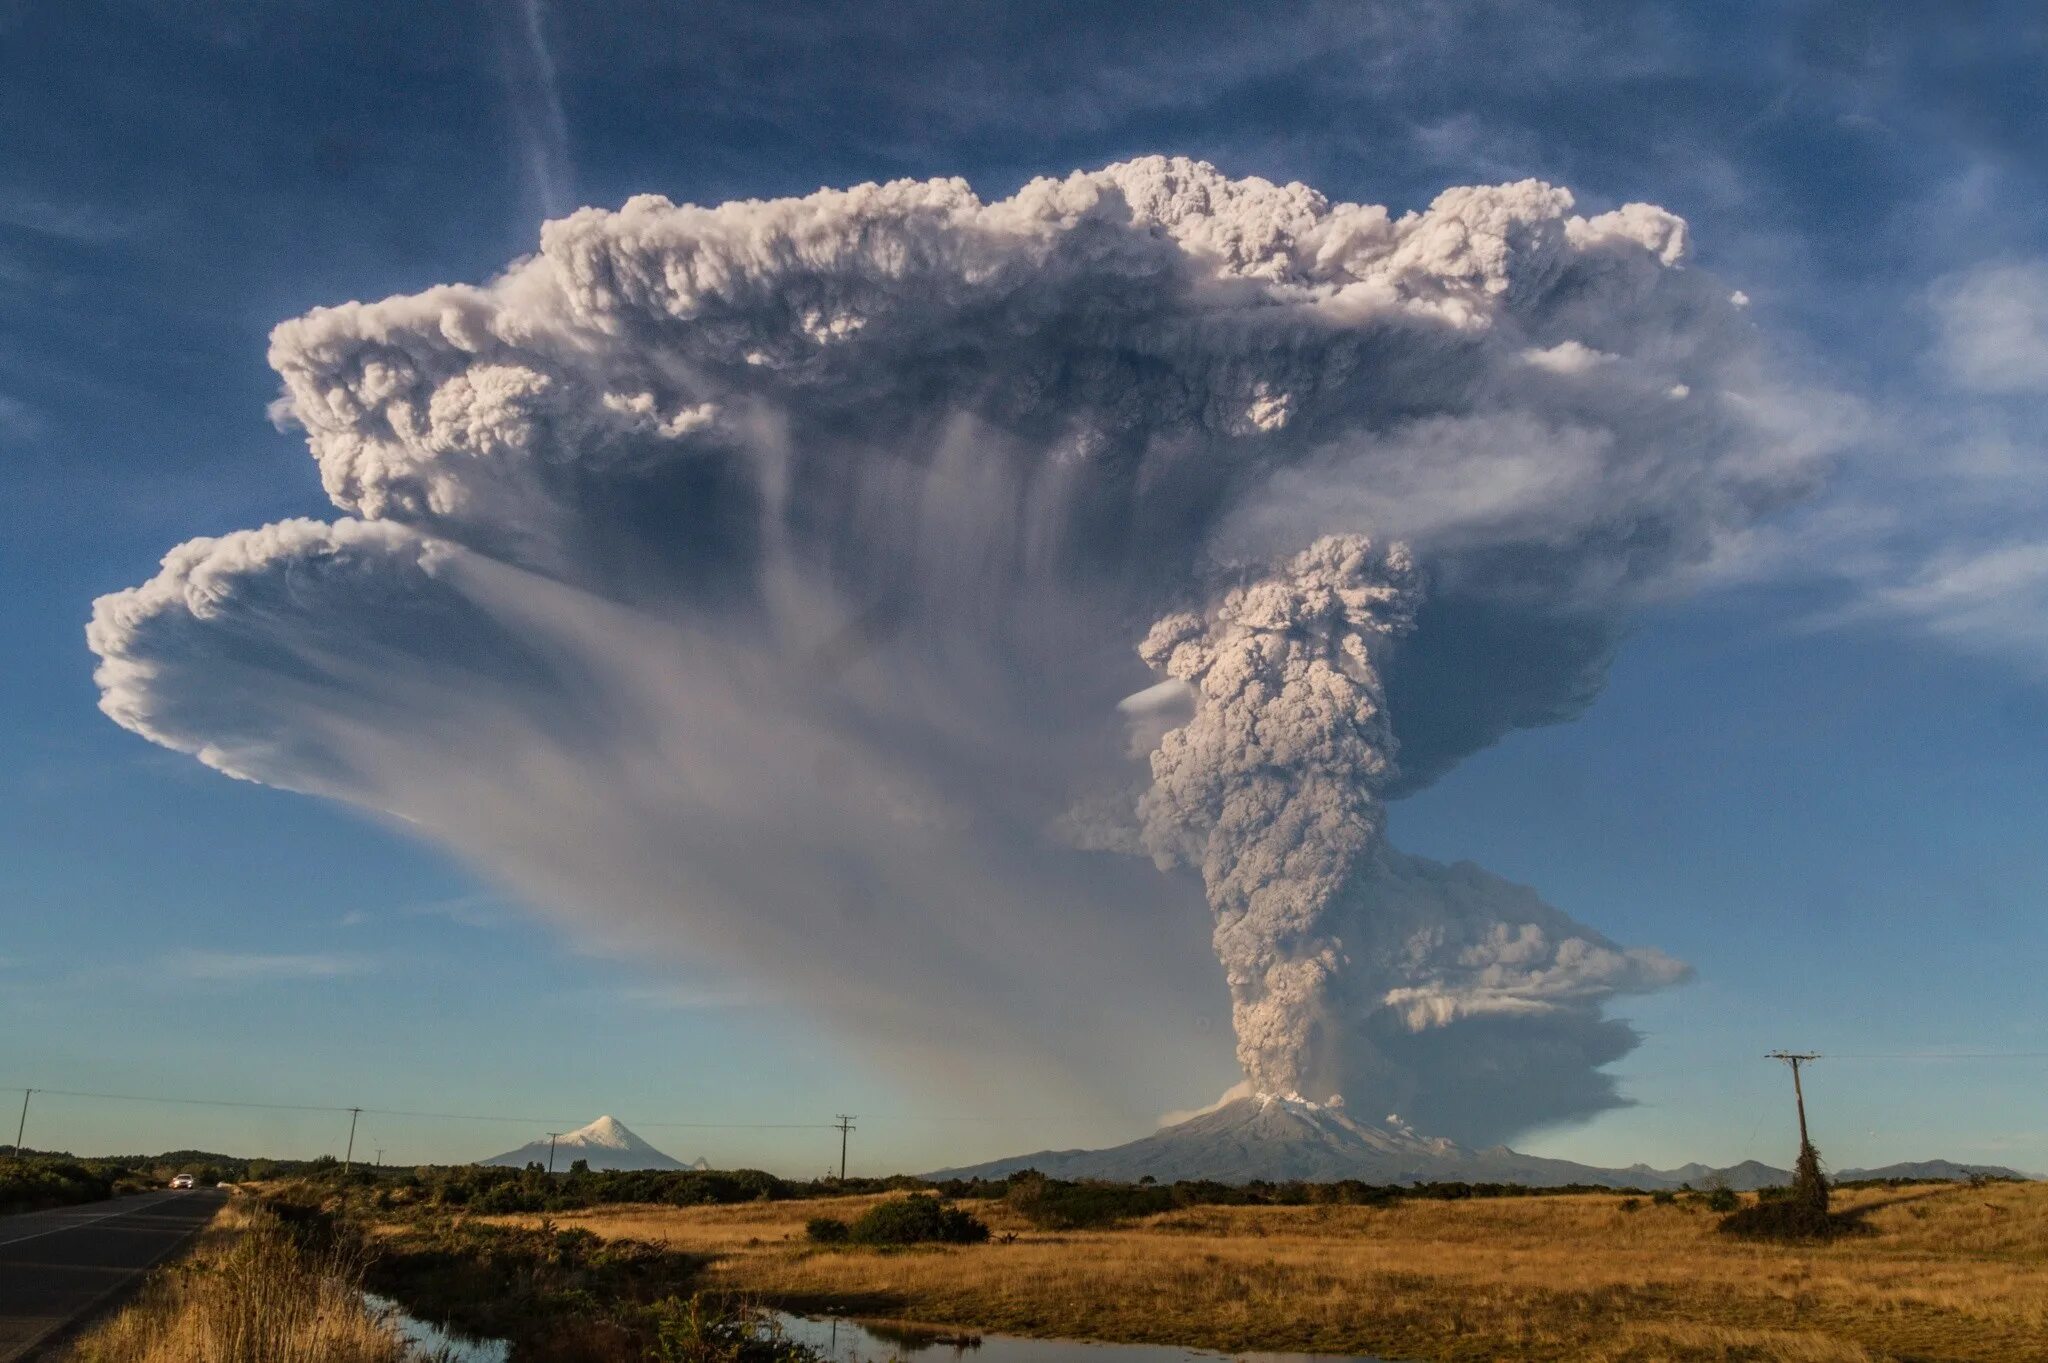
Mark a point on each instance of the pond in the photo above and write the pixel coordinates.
(849, 1341)
(429, 1343)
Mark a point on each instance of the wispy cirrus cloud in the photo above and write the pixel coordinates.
(468, 910)
(1993, 325)
(241, 967)
(690, 997)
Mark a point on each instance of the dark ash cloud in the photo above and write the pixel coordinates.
(758, 584)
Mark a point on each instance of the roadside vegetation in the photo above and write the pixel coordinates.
(37, 1182)
(205, 1166)
(251, 1291)
(559, 1294)
(31, 1180)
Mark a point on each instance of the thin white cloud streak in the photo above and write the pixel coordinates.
(1935, 532)
(255, 967)
(543, 127)
(698, 997)
(1993, 327)
(1991, 601)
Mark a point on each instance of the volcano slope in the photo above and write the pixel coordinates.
(1287, 1139)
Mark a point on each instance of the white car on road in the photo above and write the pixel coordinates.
(182, 1181)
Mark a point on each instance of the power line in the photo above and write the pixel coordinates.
(1939, 1055)
(194, 1102)
(549, 1121)
(410, 1112)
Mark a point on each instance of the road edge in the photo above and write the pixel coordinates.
(43, 1348)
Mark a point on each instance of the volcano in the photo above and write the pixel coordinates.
(605, 1144)
(1281, 1139)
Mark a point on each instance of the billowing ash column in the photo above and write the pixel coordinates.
(1273, 788)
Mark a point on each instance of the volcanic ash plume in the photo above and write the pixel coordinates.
(1273, 788)
(758, 589)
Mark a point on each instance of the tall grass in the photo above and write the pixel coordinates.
(251, 1292)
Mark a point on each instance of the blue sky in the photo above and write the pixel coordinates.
(1821, 785)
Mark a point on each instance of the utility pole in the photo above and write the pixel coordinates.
(21, 1125)
(845, 1125)
(380, 1157)
(349, 1158)
(552, 1135)
(1795, 1059)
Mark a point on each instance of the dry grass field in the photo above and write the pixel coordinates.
(245, 1294)
(1947, 1272)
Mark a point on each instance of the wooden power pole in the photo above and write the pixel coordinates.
(1795, 1059)
(845, 1124)
(22, 1125)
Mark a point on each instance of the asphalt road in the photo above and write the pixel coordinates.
(57, 1266)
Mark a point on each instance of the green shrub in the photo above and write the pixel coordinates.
(1723, 1199)
(1054, 1204)
(1664, 1197)
(30, 1183)
(827, 1230)
(915, 1220)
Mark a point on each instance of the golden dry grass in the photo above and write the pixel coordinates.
(245, 1294)
(1947, 1273)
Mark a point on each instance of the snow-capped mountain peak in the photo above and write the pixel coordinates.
(607, 1131)
(605, 1144)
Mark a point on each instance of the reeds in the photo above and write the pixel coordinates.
(250, 1292)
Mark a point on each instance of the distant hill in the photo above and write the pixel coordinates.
(1284, 1139)
(1931, 1171)
(605, 1144)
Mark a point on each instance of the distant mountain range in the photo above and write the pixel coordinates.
(1281, 1139)
(1932, 1171)
(605, 1144)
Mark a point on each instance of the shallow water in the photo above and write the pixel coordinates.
(852, 1341)
(849, 1341)
(431, 1343)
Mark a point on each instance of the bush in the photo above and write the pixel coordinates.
(31, 1183)
(1053, 1204)
(915, 1220)
(1799, 1212)
(1723, 1200)
(1664, 1197)
(827, 1230)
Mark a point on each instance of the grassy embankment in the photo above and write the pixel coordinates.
(249, 1292)
(1944, 1272)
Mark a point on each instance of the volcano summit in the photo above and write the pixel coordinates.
(604, 1145)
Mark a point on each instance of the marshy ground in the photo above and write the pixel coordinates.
(1944, 1272)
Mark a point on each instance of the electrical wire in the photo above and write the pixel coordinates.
(409, 1112)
